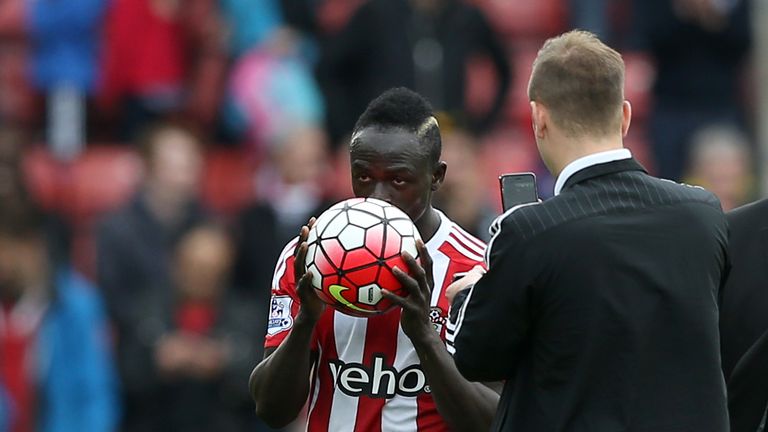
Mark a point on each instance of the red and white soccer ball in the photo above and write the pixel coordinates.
(353, 247)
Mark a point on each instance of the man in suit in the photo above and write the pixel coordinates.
(744, 317)
(600, 306)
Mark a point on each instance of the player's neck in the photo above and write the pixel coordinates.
(428, 224)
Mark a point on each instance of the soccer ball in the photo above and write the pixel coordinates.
(352, 249)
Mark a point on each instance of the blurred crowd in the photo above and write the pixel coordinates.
(156, 156)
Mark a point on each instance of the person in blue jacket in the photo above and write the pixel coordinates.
(57, 373)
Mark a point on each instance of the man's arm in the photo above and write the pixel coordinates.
(279, 384)
(465, 406)
(494, 320)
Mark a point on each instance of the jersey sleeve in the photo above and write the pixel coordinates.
(284, 301)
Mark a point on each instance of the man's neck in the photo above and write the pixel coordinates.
(582, 148)
(428, 224)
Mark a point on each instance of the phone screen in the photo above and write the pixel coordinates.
(518, 189)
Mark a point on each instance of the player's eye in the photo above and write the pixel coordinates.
(363, 178)
(397, 181)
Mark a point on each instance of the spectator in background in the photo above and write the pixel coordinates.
(65, 37)
(720, 162)
(250, 23)
(162, 59)
(273, 91)
(188, 358)
(56, 369)
(290, 191)
(16, 200)
(462, 196)
(16, 97)
(421, 44)
(136, 243)
(699, 47)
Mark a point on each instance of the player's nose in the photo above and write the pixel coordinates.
(381, 192)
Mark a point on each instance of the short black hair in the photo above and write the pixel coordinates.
(404, 108)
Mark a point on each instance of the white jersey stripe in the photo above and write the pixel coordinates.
(462, 250)
(313, 400)
(465, 240)
(471, 237)
(440, 263)
(280, 269)
(400, 413)
(349, 333)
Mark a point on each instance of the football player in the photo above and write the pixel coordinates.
(393, 371)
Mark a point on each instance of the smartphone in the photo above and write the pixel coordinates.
(516, 189)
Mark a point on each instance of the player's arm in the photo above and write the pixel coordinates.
(465, 406)
(279, 384)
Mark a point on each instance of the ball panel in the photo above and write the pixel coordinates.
(392, 243)
(352, 237)
(370, 207)
(373, 239)
(369, 294)
(393, 212)
(335, 226)
(364, 276)
(333, 250)
(409, 245)
(402, 226)
(362, 219)
(324, 265)
(358, 258)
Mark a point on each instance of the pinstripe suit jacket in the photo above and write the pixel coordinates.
(600, 308)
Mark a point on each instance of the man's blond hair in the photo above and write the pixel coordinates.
(580, 80)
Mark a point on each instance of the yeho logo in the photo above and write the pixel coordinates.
(379, 381)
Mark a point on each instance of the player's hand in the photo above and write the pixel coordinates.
(470, 278)
(415, 316)
(311, 306)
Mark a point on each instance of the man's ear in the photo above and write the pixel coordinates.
(626, 117)
(540, 119)
(438, 175)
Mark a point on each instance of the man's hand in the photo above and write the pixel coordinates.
(469, 279)
(415, 317)
(311, 306)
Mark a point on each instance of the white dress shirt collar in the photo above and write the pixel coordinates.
(588, 161)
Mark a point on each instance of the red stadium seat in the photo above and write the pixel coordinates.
(640, 75)
(516, 19)
(228, 183)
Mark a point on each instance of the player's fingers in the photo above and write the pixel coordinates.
(304, 284)
(410, 284)
(394, 298)
(311, 222)
(416, 269)
(426, 260)
(303, 234)
(299, 261)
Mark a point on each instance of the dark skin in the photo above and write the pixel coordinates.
(392, 165)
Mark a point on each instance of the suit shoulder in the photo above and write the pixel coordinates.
(687, 192)
(749, 214)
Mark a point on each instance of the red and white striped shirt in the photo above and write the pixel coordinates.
(368, 377)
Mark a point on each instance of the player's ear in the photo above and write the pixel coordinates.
(438, 175)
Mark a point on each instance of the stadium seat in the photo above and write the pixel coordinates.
(228, 183)
(640, 75)
(519, 19)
